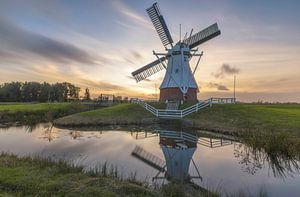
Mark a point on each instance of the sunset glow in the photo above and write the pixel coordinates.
(98, 44)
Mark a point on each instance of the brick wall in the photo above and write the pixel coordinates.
(176, 94)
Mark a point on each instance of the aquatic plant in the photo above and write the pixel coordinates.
(279, 150)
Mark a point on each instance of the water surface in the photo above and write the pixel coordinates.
(209, 161)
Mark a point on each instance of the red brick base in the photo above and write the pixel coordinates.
(176, 94)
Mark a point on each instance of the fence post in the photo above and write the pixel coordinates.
(210, 104)
(156, 112)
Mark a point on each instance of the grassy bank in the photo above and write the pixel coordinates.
(121, 114)
(33, 113)
(226, 118)
(42, 177)
(240, 117)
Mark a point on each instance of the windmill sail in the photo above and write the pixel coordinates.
(160, 24)
(148, 158)
(149, 69)
(203, 36)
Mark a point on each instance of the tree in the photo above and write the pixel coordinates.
(73, 92)
(45, 92)
(35, 91)
(11, 92)
(25, 91)
(87, 94)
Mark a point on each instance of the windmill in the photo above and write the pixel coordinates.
(178, 149)
(179, 83)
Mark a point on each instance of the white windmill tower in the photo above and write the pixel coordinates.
(179, 83)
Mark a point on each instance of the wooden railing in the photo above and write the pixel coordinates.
(176, 114)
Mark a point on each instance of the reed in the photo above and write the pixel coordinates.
(36, 176)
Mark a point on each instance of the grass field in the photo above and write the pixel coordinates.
(123, 111)
(32, 113)
(277, 117)
(16, 107)
(231, 118)
(121, 114)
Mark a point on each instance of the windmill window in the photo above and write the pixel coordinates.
(176, 70)
(176, 52)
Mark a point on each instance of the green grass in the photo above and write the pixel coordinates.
(127, 111)
(185, 105)
(226, 118)
(29, 176)
(42, 177)
(121, 114)
(34, 113)
(11, 108)
(277, 117)
(158, 105)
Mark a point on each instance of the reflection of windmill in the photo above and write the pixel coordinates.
(178, 149)
(179, 82)
(141, 135)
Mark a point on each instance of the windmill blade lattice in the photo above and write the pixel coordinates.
(203, 36)
(149, 69)
(160, 24)
(148, 158)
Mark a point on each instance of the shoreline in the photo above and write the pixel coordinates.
(226, 119)
(156, 125)
(239, 120)
(18, 175)
(29, 114)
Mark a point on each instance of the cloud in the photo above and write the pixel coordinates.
(130, 14)
(273, 81)
(133, 57)
(256, 96)
(136, 55)
(105, 86)
(218, 86)
(226, 69)
(6, 55)
(18, 40)
(283, 79)
(129, 60)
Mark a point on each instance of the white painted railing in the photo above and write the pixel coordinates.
(165, 113)
(179, 135)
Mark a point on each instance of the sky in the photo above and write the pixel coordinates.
(97, 44)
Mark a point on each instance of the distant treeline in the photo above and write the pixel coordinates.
(38, 92)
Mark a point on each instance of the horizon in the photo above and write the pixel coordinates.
(95, 46)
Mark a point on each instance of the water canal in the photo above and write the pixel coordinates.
(210, 161)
